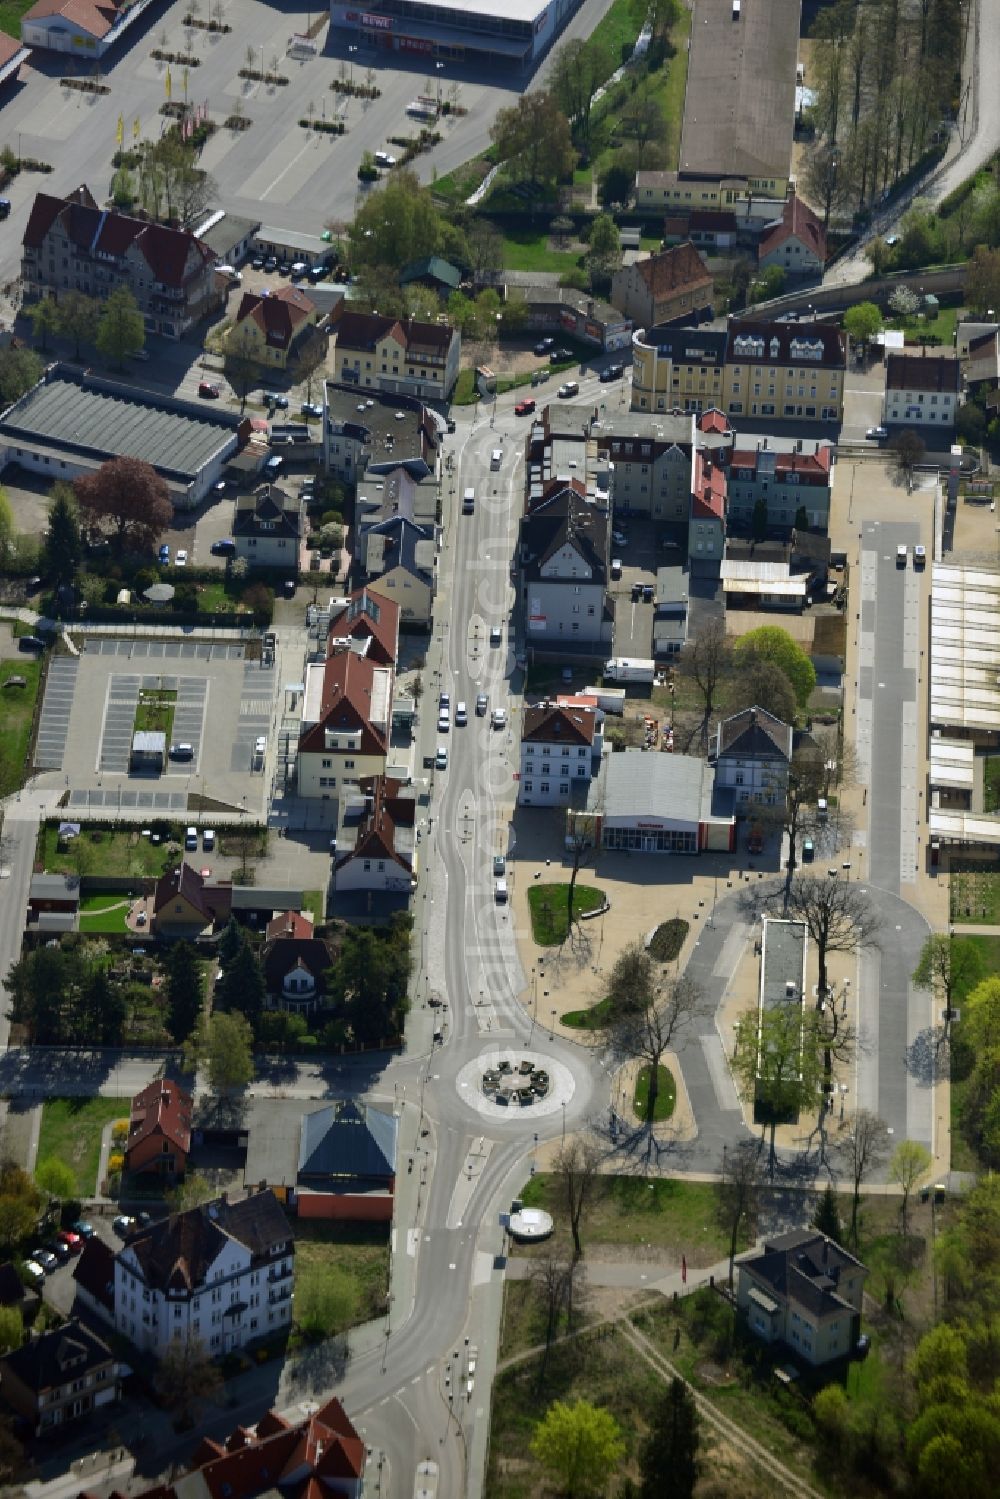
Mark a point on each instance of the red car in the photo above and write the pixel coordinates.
(208, 391)
(72, 1240)
(524, 408)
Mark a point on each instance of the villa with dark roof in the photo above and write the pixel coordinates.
(803, 1290)
(219, 1275)
(376, 847)
(187, 903)
(73, 243)
(397, 355)
(295, 962)
(59, 1377)
(563, 555)
(268, 526)
(751, 752)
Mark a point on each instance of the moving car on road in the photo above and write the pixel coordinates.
(524, 408)
(441, 758)
(876, 434)
(499, 718)
(482, 703)
(613, 372)
(571, 388)
(461, 715)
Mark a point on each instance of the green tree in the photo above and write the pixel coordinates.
(778, 1061)
(982, 280)
(223, 1045)
(397, 223)
(909, 1164)
(63, 548)
(370, 980)
(581, 1445)
(862, 323)
(44, 315)
(827, 1215)
(615, 186)
(244, 370)
(78, 318)
(20, 369)
(577, 70)
(770, 285)
(185, 989)
(230, 942)
(642, 122)
(190, 1193)
(532, 137)
(121, 331)
(186, 1377)
(950, 966)
(55, 1178)
(763, 685)
(772, 643)
(909, 448)
(605, 244)
(11, 1329)
(243, 990)
(669, 1462)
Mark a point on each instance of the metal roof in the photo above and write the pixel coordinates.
(964, 827)
(952, 763)
(639, 784)
(965, 648)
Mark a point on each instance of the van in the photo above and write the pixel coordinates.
(182, 752)
(496, 458)
(468, 502)
(901, 554)
(501, 892)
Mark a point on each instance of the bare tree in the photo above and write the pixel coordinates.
(706, 663)
(581, 846)
(910, 1162)
(645, 1015)
(575, 1167)
(867, 1147)
(838, 916)
(738, 1189)
(549, 1278)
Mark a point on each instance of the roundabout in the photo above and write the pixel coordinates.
(509, 1083)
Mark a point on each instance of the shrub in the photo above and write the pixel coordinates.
(668, 939)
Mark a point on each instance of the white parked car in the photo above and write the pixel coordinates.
(181, 560)
(441, 758)
(919, 556)
(499, 718)
(191, 838)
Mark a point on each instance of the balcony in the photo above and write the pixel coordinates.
(279, 1273)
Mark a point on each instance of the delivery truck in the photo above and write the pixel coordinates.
(630, 669)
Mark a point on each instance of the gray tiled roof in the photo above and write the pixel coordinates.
(347, 1140)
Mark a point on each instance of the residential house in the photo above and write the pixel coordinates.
(796, 242)
(387, 445)
(562, 310)
(268, 527)
(94, 1279)
(187, 903)
(433, 272)
(649, 460)
(320, 1455)
(687, 192)
(795, 371)
(707, 516)
(560, 753)
(792, 478)
(922, 389)
(397, 355)
(337, 1162)
(752, 752)
(275, 329)
(399, 559)
(346, 720)
(677, 369)
(59, 1377)
(674, 284)
(369, 625)
(981, 363)
(563, 556)
(709, 229)
(48, 893)
(254, 906)
(219, 1274)
(375, 845)
(801, 1289)
(159, 1130)
(73, 244)
(295, 963)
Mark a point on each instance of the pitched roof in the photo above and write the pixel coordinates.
(88, 15)
(368, 617)
(177, 1252)
(54, 1358)
(399, 542)
(211, 899)
(814, 465)
(752, 733)
(363, 330)
(713, 220)
(108, 233)
(288, 924)
(284, 954)
(708, 494)
(797, 219)
(549, 723)
(269, 511)
(675, 270)
(279, 316)
(562, 517)
(163, 1108)
(934, 372)
(713, 420)
(346, 705)
(804, 1266)
(755, 341)
(94, 1272)
(386, 813)
(431, 268)
(349, 1141)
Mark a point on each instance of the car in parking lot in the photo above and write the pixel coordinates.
(59, 1249)
(876, 434)
(123, 1225)
(524, 408)
(34, 1272)
(384, 159)
(208, 839)
(181, 752)
(620, 538)
(613, 372)
(543, 346)
(499, 718)
(283, 267)
(616, 567)
(46, 1259)
(208, 391)
(273, 464)
(164, 554)
(224, 547)
(461, 715)
(83, 1228)
(299, 269)
(181, 560)
(257, 264)
(482, 703)
(271, 263)
(30, 643)
(919, 556)
(312, 408)
(441, 758)
(901, 555)
(191, 838)
(570, 388)
(72, 1240)
(274, 398)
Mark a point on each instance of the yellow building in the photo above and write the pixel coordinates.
(671, 191)
(397, 355)
(677, 369)
(269, 330)
(791, 371)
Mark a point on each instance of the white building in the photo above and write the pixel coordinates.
(922, 389)
(561, 746)
(655, 803)
(751, 752)
(219, 1275)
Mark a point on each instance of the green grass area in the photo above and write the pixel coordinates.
(315, 902)
(588, 1020)
(940, 327)
(100, 851)
(618, 30)
(676, 1216)
(975, 895)
(666, 1098)
(103, 913)
(71, 1132)
(991, 783)
(11, 12)
(528, 250)
(17, 711)
(549, 904)
(460, 184)
(666, 84)
(348, 1260)
(155, 712)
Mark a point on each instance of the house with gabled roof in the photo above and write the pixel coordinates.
(789, 370)
(159, 1129)
(219, 1275)
(59, 1377)
(369, 624)
(268, 527)
(295, 963)
(338, 1161)
(400, 356)
(74, 243)
(563, 555)
(803, 1290)
(674, 284)
(346, 722)
(376, 846)
(796, 242)
(274, 328)
(707, 515)
(561, 746)
(752, 753)
(187, 903)
(399, 559)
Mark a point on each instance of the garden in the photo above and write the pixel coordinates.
(71, 1132)
(549, 907)
(17, 714)
(341, 1277)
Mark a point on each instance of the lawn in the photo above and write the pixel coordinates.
(666, 85)
(975, 895)
(101, 851)
(618, 31)
(103, 913)
(666, 1097)
(11, 12)
(17, 710)
(588, 1020)
(528, 250)
(676, 1216)
(314, 901)
(941, 327)
(548, 906)
(155, 712)
(350, 1261)
(71, 1132)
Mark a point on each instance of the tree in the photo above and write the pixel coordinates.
(190, 1193)
(605, 244)
(827, 184)
(11, 1329)
(706, 662)
(20, 369)
(243, 990)
(764, 685)
(909, 448)
(532, 137)
(44, 315)
(56, 1178)
(186, 1377)
(185, 989)
(644, 1023)
(669, 1461)
(772, 643)
(62, 551)
(862, 323)
(737, 1192)
(562, 227)
(826, 1218)
(778, 1061)
(121, 331)
(903, 302)
(580, 1444)
(244, 370)
(839, 917)
(20, 1205)
(615, 185)
(910, 1162)
(370, 980)
(769, 285)
(310, 359)
(130, 495)
(575, 1166)
(78, 318)
(230, 942)
(397, 223)
(577, 70)
(222, 1044)
(485, 250)
(580, 846)
(642, 122)
(867, 1146)
(550, 1278)
(982, 279)
(950, 966)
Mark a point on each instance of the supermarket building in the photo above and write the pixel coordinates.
(513, 34)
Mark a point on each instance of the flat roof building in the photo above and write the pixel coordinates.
(654, 803)
(513, 34)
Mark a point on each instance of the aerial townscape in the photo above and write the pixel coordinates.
(499, 749)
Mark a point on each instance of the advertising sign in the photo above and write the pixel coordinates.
(364, 18)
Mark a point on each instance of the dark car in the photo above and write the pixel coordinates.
(30, 643)
(543, 346)
(613, 372)
(449, 422)
(257, 264)
(561, 355)
(224, 547)
(59, 1248)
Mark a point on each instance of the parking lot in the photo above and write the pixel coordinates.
(634, 592)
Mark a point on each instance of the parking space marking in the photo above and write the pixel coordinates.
(53, 722)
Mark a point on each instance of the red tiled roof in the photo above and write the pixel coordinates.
(815, 464)
(550, 723)
(90, 16)
(675, 270)
(935, 372)
(211, 900)
(708, 497)
(797, 219)
(368, 616)
(162, 1107)
(377, 833)
(348, 680)
(713, 420)
(278, 316)
(95, 230)
(288, 924)
(9, 47)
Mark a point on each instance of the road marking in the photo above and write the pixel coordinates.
(452, 1266)
(416, 1379)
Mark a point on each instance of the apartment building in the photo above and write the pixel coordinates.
(561, 745)
(793, 371)
(791, 476)
(677, 369)
(674, 284)
(397, 355)
(346, 722)
(922, 389)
